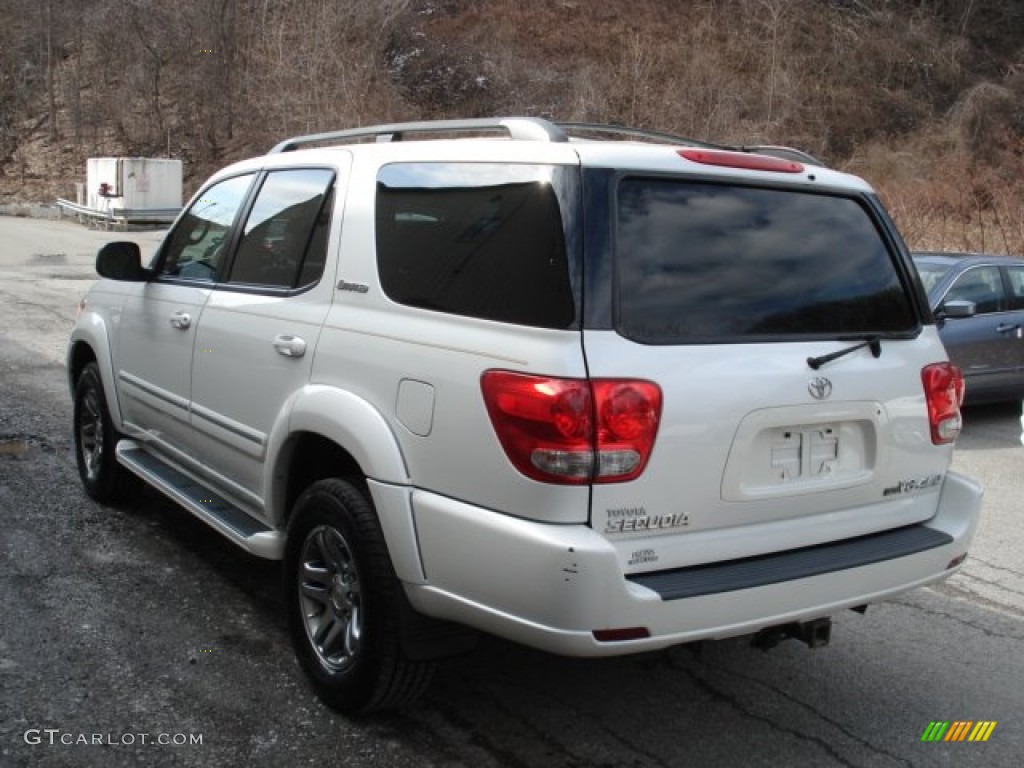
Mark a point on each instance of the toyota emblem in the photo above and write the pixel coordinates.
(819, 387)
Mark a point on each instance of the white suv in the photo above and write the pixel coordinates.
(598, 396)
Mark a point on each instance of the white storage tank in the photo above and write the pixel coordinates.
(133, 183)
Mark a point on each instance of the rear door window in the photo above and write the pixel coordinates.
(1016, 277)
(704, 262)
(284, 240)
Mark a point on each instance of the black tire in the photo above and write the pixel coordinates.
(104, 479)
(345, 603)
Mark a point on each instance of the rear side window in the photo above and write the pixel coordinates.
(702, 262)
(476, 239)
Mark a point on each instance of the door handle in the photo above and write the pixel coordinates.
(181, 320)
(290, 346)
(1006, 328)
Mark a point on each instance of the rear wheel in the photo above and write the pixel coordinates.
(344, 603)
(104, 479)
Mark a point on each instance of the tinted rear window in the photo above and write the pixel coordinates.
(477, 239)
(698, 262)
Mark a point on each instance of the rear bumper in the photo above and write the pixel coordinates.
(551, 586)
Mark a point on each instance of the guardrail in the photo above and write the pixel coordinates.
(119, 216)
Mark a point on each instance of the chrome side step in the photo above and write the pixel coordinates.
(210, 507)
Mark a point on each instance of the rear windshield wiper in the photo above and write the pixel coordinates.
(874, 342)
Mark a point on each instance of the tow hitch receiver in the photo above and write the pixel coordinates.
(815, 633)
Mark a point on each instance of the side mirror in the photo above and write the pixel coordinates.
(956, 309)
(121, 261)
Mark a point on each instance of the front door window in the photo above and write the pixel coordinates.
(196, 249)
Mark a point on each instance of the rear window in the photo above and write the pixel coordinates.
(477, 239)
(702, 262)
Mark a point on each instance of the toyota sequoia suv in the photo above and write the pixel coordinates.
(596, 390)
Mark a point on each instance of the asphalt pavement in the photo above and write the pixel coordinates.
(137, 636)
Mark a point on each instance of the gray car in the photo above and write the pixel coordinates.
(978, 300)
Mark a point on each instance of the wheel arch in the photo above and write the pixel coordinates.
(305, 458)
(79, 355)
(323, 428)
(90, 343)
(325, 432)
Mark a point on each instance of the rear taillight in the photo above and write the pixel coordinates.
(944, 393)
(573, 431)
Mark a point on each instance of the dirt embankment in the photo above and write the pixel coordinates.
(926, 100)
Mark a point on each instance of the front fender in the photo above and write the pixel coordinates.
(92, 331)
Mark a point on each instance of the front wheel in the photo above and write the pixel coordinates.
(344, 603)
(104, 479)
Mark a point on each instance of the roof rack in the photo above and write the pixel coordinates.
(635, 133)
(521, 128)
(786, 153)
(528, 129)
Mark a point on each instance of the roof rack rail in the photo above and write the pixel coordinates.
(637, 133)
(521, 128)
(786, 153)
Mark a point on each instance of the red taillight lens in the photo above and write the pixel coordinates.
(747, 161)
(547, 425)
(944, 393)
(571, 412)
(628, 411)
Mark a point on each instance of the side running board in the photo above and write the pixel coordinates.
(210, 507)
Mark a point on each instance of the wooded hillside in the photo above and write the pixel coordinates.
(925, 98)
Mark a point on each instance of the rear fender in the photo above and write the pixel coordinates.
(357, 427)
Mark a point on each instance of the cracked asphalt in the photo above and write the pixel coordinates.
(124, 628)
